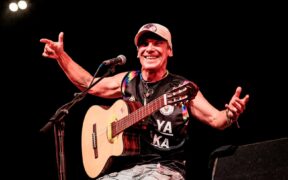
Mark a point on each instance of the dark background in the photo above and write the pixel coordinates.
(218, 46)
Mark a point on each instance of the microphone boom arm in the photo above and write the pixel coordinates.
(64, 110)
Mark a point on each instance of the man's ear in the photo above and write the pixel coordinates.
(170, 53)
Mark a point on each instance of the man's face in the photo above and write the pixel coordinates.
(153, 53)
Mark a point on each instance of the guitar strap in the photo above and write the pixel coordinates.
(129, 76)
(131, 137)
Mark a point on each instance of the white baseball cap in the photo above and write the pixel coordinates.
(155, 28)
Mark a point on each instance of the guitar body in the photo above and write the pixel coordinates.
(102, 130)
(97, 142)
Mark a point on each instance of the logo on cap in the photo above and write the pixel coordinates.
(150, 27)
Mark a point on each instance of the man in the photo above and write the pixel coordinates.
(163, 134)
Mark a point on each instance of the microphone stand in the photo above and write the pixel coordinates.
(59, 124)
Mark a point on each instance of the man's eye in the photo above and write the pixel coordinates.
(143, 44)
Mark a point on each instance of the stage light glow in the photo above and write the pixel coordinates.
(22, 4)
(13, 7)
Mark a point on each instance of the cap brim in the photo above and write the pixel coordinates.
(137, 37)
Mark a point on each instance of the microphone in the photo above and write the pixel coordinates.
(119, 60)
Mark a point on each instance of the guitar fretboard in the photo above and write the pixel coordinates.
(137, 115)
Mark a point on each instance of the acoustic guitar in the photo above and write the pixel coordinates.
(102, 130)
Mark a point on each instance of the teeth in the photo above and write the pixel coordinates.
(150, 57)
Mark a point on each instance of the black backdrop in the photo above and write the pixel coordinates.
(217, 46)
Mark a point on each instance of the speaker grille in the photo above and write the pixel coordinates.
(266, 160)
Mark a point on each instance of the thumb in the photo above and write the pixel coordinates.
(246, 98)
(61, 37)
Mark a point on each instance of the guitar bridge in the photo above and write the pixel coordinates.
(94, 141)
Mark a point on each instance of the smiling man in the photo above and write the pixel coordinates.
(156, 133)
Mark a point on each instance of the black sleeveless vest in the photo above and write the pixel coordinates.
(163, 134)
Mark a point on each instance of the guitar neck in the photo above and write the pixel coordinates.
(137, 115)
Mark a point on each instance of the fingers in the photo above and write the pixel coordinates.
(61, 37)
(246, 99)
(48, 51)
(236, 110)
(238, 91)
(44, 54)
(237, 94)
(48, 48)
(232, 115)
(48, 41)
(237, 105)
(44, 40)
(228, 107)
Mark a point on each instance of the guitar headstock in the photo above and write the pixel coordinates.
(182, 93)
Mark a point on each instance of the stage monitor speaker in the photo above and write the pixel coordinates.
(266, 160)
